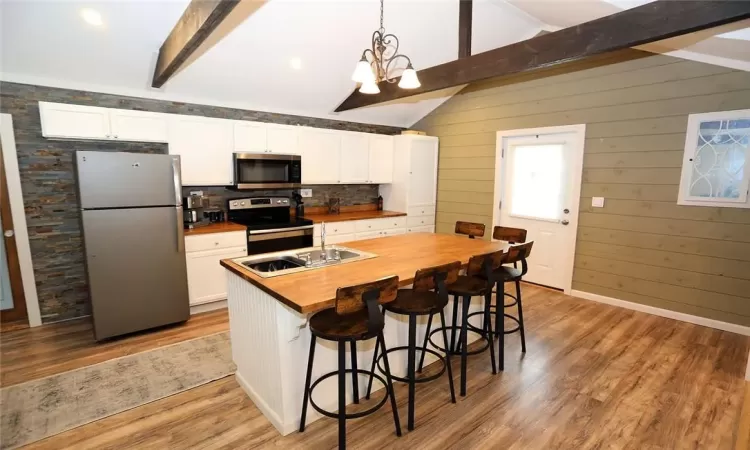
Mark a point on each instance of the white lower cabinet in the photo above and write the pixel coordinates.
(207, 279)
(369, 235)
(426, 229)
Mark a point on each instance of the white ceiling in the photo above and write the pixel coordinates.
(46, 42)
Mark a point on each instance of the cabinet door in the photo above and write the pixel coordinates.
(422, 177)
(249, 136)
(320, 156)
(138, 126)
(61, 120)
(355, 158)
(205, 149)
(207, 279)
(283, 140)
(381, 159)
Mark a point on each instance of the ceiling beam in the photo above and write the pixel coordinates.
(200, 19)
(464, 28)
(651, 22)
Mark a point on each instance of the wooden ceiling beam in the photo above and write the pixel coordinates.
(200, 19)
(464, 28)
(648, 23)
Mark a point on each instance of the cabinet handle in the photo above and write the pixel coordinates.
(115, 136)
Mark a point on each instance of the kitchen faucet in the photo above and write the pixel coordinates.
(323, 240)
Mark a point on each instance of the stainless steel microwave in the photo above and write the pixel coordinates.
(267, 171)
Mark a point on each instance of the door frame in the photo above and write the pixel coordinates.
(17, 212)
(577, 172)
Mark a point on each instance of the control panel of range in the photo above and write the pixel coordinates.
(258, 202)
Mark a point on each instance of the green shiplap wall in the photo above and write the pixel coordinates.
(641, 247)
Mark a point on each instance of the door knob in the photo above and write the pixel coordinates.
(9, 233)
(565, 222)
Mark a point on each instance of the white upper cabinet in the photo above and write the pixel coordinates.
(205, 148)
(423, 168)
(355, 160)
(381, 159)
(249, 137)
(282, 139)
(140, 126)
(65, 121)
(320, 156)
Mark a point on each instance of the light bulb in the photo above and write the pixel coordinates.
(363, 72)
(409, 79)
(369, 87)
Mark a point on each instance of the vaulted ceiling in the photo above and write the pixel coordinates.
(251, 68)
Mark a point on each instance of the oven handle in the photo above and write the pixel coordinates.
(275, 236)
(278, 230)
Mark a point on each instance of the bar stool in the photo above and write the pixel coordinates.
(464, 288)
(421, 301)
(355, 317)
(512, 236)
(505, 274)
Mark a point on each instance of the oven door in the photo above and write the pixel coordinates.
(268, 241)
(267, 171)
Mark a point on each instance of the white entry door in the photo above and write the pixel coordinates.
(537, 188)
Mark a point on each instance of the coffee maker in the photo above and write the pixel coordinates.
(192, 211)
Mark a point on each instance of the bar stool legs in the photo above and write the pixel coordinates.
(520, 316)
(308, 379)
(342, 394)
(389, 380)
(355, 378)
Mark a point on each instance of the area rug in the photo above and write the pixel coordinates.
(40, 408)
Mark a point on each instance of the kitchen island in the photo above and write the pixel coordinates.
(268, 319)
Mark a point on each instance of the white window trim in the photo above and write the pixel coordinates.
(691, 138)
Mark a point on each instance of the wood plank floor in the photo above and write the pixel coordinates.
(39, 352)
(595, 376)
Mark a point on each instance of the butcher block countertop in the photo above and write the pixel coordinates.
(352, 215)
(402, 255)
(217, 227)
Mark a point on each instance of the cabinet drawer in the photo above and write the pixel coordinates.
(380, 224)
(394, 232)
(420, 221)
(214, 241)
(335, 228)
(369, 235)
(428, 210)
(339, 238)
(425, 229)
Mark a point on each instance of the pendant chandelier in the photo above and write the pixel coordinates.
(377, 62)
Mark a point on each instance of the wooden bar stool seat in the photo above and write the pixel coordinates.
(409, 301)
(355, 317)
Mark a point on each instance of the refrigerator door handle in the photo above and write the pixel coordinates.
(177, 180)
(180, 229)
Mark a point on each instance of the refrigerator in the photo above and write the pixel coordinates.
(131, 220)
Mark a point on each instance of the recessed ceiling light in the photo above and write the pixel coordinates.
(92, 17)
(295, 63)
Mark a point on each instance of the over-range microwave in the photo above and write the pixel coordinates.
(267, 171)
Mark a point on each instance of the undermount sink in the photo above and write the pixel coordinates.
(294, 261)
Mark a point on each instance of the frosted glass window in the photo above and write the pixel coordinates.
(536, 181)
(718, 164)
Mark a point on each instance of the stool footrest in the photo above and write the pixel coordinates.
(416, 380)
(458, 327)
(348, 416)
(479, 330)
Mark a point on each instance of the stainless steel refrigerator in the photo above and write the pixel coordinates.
(131, 216)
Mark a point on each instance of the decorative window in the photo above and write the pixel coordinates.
(716, 162)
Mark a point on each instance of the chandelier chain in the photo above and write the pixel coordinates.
(382, 29)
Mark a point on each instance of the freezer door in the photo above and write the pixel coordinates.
(135, 260)
(122, 180)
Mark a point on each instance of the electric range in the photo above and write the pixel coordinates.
(270, 225)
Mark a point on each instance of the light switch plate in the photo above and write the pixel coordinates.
(196, 193)
(597, 202)
(306, 193)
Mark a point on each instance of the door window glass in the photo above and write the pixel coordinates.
(537, 174)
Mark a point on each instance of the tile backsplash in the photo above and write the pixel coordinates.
(350, 194)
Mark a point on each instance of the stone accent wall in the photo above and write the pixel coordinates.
(48, 182)
(350, 194)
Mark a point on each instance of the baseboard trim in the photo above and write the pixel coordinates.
(210, 306)
(711, 323)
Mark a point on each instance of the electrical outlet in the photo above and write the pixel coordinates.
(196, 193)
(306, 193)
(597, 202)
